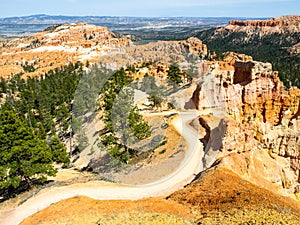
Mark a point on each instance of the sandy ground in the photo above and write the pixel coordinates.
(184, 174)
(159, 163)
(217, 196)
(151, 173)
(87, 211)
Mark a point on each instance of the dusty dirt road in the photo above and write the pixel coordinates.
(184, 174)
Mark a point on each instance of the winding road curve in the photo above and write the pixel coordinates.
(184, 174)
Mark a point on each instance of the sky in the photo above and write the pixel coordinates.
(151, 8)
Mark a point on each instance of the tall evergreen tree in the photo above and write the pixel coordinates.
(58, 151)
(23, 155)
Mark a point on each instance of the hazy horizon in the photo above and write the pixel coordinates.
(70, 15)
(155, 8)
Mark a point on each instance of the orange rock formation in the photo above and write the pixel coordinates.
(274, 22)
(261, 141)
(58, 46)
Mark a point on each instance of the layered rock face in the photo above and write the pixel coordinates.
(261, 141)
(280, 21)
(60, 45)
(163, 52)
(194, 45)
(279, 25)
(57, 46)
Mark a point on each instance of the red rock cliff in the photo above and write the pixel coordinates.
(280, 22)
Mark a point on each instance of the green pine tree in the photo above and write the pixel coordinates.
(23, 155)
(58, 151)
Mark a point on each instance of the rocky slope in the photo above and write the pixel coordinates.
(282, 31)
(60, 45)
(273, 25)
(260, 128)
(222, 197)
(274, 40)
(218, 196)
(57, 46)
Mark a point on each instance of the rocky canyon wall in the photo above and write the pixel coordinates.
(261, 141)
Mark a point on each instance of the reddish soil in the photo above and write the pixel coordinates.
(217, 194)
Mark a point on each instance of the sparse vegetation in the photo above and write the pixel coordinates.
(144, 218)
(123, 122)
(28, 68)
(156, 101)
(174, 73)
